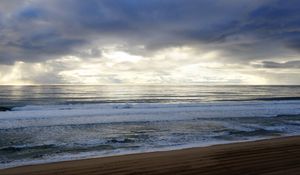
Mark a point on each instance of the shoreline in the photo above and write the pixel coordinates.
(127, 153)
(233, 158)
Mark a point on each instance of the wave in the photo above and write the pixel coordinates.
(46, 115)
(71, 103)
(278, 98)
(266, 99)
(3, 108)
(12, 149)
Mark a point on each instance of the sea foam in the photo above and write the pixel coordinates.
(45, 115)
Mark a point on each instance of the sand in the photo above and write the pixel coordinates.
(280, 156)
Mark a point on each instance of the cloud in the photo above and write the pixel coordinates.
(41, 30)
(280, 65)
(231, 34)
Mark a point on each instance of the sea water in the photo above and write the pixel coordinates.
(66, 122)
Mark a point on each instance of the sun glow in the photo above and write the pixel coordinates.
(120, 56)
(13, 75)
(178, 65)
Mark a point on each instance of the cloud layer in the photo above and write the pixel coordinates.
(129, 40)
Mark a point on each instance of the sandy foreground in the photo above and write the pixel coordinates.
(280, 156)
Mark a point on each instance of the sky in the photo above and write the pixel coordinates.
(150, 42)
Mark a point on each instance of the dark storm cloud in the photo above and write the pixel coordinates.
(245, 30)
(283, 65)
(29, 35)
(277, 21)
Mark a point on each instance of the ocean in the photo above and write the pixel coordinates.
(52, 123)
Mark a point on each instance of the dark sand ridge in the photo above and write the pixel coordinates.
(280, 156)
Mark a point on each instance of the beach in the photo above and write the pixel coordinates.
(271, 157)
(123, 87)
(81, 125)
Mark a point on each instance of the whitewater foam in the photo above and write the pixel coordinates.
(48, 133)
(111, 113)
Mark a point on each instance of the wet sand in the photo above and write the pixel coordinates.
(280, 156)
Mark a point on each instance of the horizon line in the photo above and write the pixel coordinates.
(143, 84)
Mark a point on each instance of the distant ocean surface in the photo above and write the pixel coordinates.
(53, 123)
